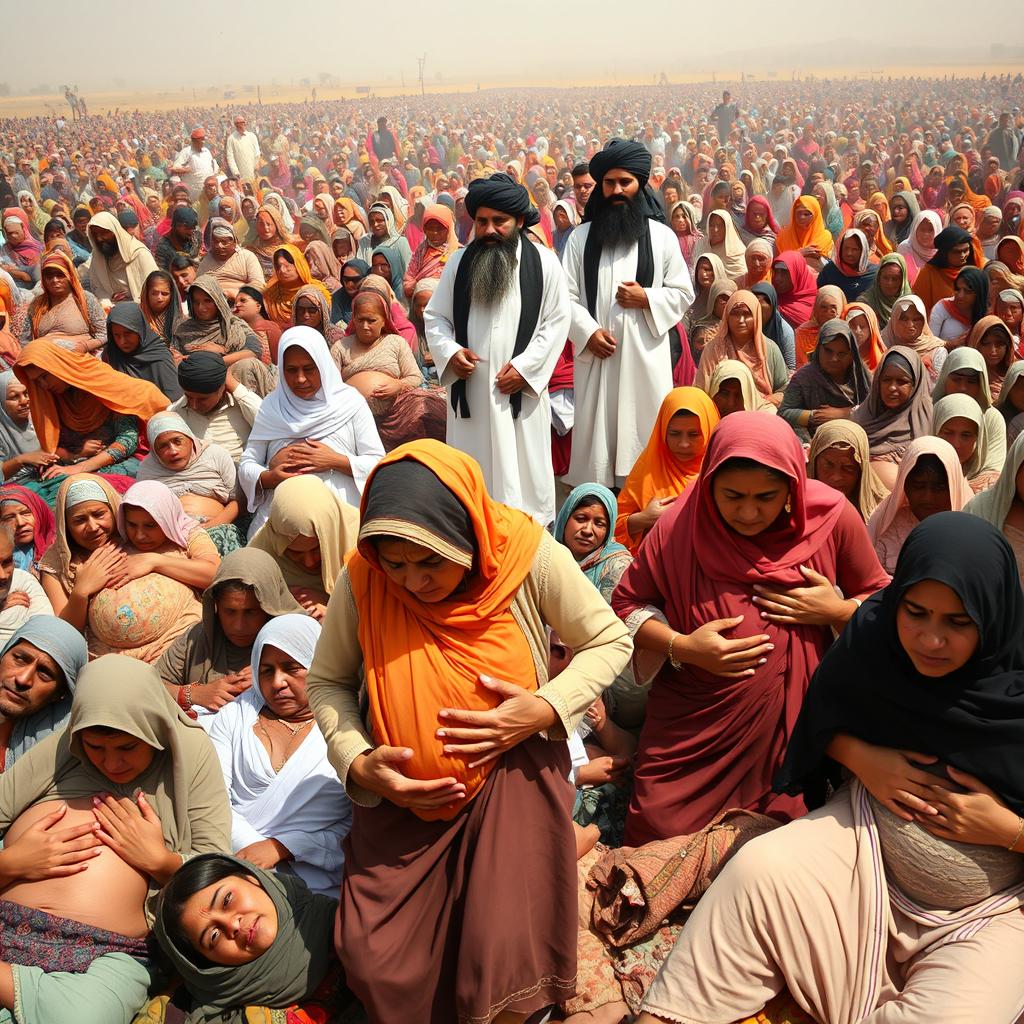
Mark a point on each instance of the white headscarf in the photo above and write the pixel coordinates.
(294, 634)
(274, 200)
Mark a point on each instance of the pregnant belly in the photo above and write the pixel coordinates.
(201, 506)
(109, 894)
(367, 380)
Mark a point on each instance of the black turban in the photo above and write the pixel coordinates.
(500, 192)
(630, 156)
(202, 372)
(185, 216)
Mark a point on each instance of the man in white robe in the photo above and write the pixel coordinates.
(621, 332)
(497, 374)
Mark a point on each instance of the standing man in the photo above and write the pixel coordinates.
(384, 142)
(195, 163)
(242, 150)
(629, 288)
(495, 326)
(724, 114)
(582, 186)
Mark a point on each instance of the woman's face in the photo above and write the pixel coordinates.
(679, 222)
(127, 341)
(90, 524)
(282, 681)
(781, 280)
(925, 234)
(437, 233)
(56, 285)
(308, 314)
(716, 231)
(144, 534)
(586, 530)
(927, 493)
(741, 323)
(826, 307)
(19, 520)
(230, 922)
(342, 249)
(963, 218)
(119, 756)
(966, 382)
(183, 277)
(246, 307)
(894, 387)
(719, 307)
(16, 404)
(749, 500)
(301, 373)
(908, 325)
(890, 280)
(821, 195)
(26, 203)
(305, 553)
(367, 324)
(158, 295)
(204, 309)
(684, 437)
(758, 217)
(350, 280)
(802, 217)
(705, 274)
(838, 467)
(425, 574)
(963, 295)
(962, 434)
(869, 225)
(836, 358)
(958, 255)
(993, 347)
(240, 616)
(14, 231)
(378, 224)
(266, 229)
(935, 630)
(173, 449)
(1011, 313)
(729, 397)
(900, 211)
(381, 267)
(861, 330)
(851, 251)
(1009, 253)
(286, 271)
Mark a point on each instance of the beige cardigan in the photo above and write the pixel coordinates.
(554, 594)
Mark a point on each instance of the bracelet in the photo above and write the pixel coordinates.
(185, 697)
(1016, 839)
(671, 657)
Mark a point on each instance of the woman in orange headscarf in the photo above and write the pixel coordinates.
(64, 309)
(431, 255)
(456, 807)
(806, 233)
(269, 232)
(668, 465)
(291, 272)
(863, 321)
(348, 215)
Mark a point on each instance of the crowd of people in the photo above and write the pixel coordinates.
(540, 557)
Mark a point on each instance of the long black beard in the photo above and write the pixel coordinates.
(618, 225)
(493, 271)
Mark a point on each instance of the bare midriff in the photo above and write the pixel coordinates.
(201, 506)
(366, 381)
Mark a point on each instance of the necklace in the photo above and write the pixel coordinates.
(294, 730)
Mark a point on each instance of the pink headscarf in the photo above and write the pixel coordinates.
(797, 305)
(163, 505)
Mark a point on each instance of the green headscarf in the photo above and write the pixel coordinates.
(880, 303)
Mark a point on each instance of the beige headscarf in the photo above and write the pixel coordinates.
(846, 433)
(304, 506)
(733, 369)
(138, 261)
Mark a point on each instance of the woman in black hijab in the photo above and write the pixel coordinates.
(901, 899)
(134, 349)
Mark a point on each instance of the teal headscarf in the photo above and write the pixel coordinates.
(604, 565)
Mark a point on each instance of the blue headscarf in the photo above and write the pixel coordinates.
(66, 645)
(600, 565)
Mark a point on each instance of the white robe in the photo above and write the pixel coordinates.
(515, 454)
(617, 398)
(304, 807)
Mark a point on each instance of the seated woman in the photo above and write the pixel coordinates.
(433, 252)
(864, 324)
(708, 270)
(134, 350)
(722, 239)
(1003, 505)
(731, 601)
(323, 264)
(312, 423)
(95, 819)
(161, 306)
(828, 304)
(20, 252)
(20, 454)
(965, 372)
(930, 480)
(851, 269)
(288, 809)
(291, 272)
(732, 389)
(212, 327)
(309, 531)
(248, 306)
(202, 475)
(343, 245)
(934, 281)
(758, 259)
(898, 410)
(891, 283)
(953, 319)
(774, 326)
(226, 262)
(958, 419)
(806, 234)
(907, 882)
(352, 274)
(667, 466)
(840, 457)
(85, 412)
(288, 961)
(740, 337)
(378, 363)
(1010, 404)
(64, 310)
(207, 666)
(31, 524)
(270, 234)
(312, 309)
(992, 338)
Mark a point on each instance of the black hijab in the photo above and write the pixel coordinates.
(152, 360)
(772, 327)
(867, 686)
(977, 281)
(341, 301)
(948, 238)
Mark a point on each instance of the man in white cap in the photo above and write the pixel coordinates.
(242, 150)
(195, 163)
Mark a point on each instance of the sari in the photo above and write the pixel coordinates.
(278, 298)
(162, 325)
(807, 332)
(996, 374)
(935, 279)
(847, 435)
(44, 528)
(426, 260)
(323, 264)
(72, 315)
(796, 305)
(264, 251)
(882, 304)
(852, 280)
(914, 254)
(700, 308)
(688, 240)
(816, 236)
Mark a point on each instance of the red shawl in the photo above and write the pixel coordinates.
(797, 305)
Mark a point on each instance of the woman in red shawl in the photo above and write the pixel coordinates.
(751, 537)
(796, 285)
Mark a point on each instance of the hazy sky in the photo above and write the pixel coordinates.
(208, 43)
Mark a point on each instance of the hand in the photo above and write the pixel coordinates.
(218, 692)
(103, 568)
(92, 447)
(42, 851)
(121, 296)
(265, 854)
(490, 733)
(602, 344)
(600, 770)
(137, 566)
(55, 471)
(316, 455)
(313, 601)
(379, 771)
(597, 715)
(509, 380)
(815, 605)
(16, 599)
(82, 348)
(705, 648)
(808, 251)
(132, 830)
(824, 413)
(641, 522)
(386, 389)
(978, 816)
(631, 295)
(39, 458)
(463, 363)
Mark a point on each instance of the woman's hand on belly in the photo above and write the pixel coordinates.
(977, 816)
(380, 771)
(132, 830)
(45, 850)
(817, 604)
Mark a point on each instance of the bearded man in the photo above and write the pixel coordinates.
(629, 288)
(495, 327)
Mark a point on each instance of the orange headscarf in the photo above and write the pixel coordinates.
(348, 215)
(658, 473)
(881, 245)
(873, 351)
(98, 390)
(419, 657)
(58, 259)
(278, 297)
(815, 234)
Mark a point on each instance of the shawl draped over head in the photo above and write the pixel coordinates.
(45, 528)
(323, 264)
(225, 329)
(901, 232)
(419, 657)
(867, 686)
(209, 470)
(700, 307)
(16, 439)
(753, 355)
(793, 238)
(872, 351)
(657, 473)
(961, 406)
(600, 565)
(858, 382)
(796, 305)
(164, 323)
(963, 360)
(848, 435)
(730, 250)
(27, 251)
(95, 391)
(183, 784)
(304, 506)
(733, 369)
(287, 973)
(151, 360)
(279, 297)
(891, 430)
(66, 645)
(882, 304)
(925, 342)
(994, 504)
(981, 328)
(163, 505)
(129, 249)
(60, 261)
(910, 247)
(773, 327)
(341, 303)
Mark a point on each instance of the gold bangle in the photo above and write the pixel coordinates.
(1016, 840)
(671, 657)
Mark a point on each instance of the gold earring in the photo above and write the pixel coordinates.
(789, 504)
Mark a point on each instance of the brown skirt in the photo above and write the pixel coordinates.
(445, 921)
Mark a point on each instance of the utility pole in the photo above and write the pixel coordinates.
(422, 61)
